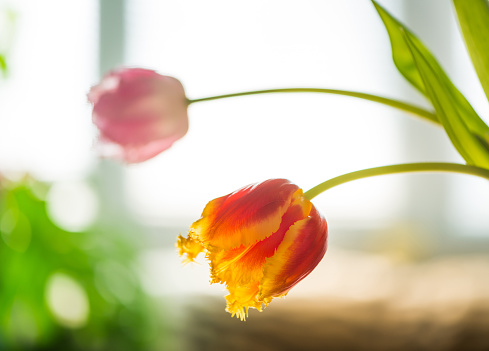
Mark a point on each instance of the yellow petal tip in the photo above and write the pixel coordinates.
(189, 247)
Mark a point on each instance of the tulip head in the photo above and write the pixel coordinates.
(139, 113)
(260, 241)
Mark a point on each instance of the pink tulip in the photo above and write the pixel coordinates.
(139, 113)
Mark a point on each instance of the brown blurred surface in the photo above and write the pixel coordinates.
(333, 325)
(438, 305)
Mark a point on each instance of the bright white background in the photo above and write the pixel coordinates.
(217, 47)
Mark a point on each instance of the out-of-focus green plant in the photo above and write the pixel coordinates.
(64, 290)
(7, 26)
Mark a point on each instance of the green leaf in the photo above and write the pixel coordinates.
(404, 61)
(401, 54)
(445, 103)
(474, 21)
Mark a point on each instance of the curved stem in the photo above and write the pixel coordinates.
(393, 169)
(430, 116)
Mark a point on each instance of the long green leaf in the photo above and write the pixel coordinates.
(466, 143)
(404, 61)
(473, 17)
(401, 54)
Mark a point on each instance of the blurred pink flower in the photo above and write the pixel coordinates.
(139, 113)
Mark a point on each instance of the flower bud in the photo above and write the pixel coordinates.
(139, 113)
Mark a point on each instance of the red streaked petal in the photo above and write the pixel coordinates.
(246, 216)
(241, 269)
(245, 264)
(299, 253)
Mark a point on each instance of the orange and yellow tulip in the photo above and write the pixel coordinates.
(260, 240)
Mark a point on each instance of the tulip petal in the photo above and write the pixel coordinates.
(241, 269)
(299, 253)
(189, 247)
(245, 264)
(246, 216)
(241, 298)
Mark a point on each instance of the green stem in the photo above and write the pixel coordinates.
(393, 169)
(430, 116)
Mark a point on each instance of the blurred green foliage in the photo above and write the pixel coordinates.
(64, 290)
(3, 64)
(8, 20)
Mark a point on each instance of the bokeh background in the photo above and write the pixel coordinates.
(87, 257)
